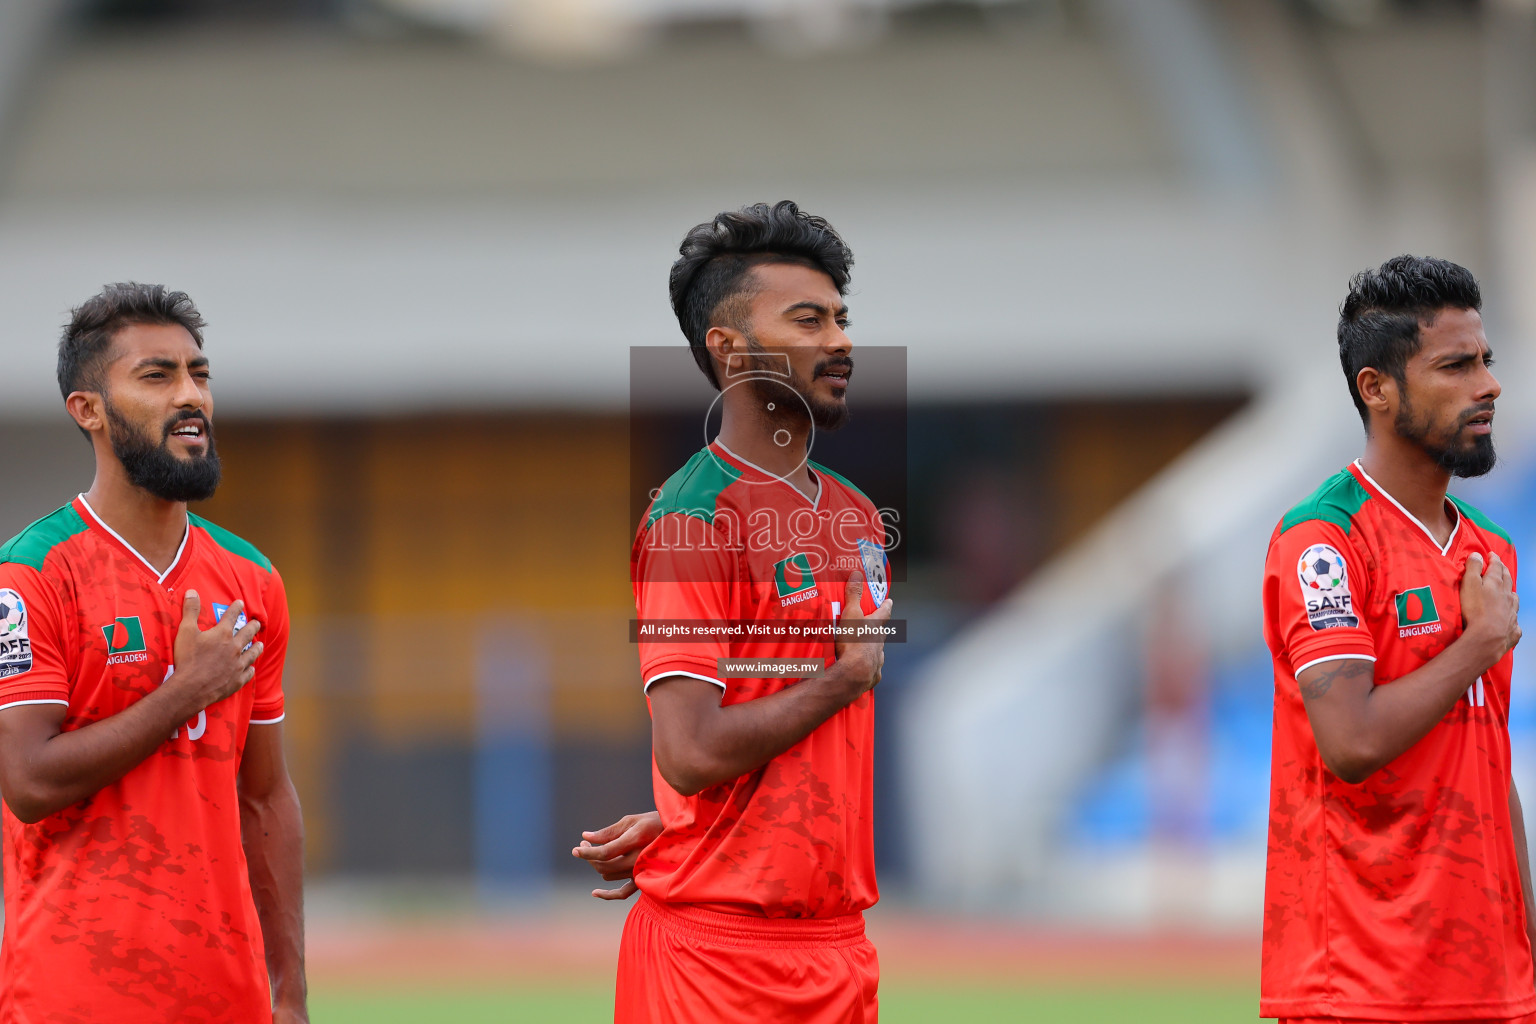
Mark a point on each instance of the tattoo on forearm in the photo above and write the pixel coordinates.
(1352, 668)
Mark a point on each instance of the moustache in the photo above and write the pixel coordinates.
(1485, 408)
(843, 365)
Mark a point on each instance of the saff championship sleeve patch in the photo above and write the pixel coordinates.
(1325, 588)
(15, 648)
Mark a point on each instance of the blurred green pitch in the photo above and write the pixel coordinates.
(974, 1004)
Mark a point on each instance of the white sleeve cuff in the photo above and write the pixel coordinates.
(1333, 657)
(690, 675)
(269, 721)
(19, 703)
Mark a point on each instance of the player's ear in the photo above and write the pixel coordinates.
(85, 408)
(1378, 390)
(722, 343)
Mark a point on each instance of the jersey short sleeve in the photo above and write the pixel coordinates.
(683, 572)
(267, 684)
(33, 664)
(1317, 583)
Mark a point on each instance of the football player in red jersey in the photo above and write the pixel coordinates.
(152, 838)
(755, 872)
(1398, 885)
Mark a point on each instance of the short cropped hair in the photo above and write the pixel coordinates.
(95, 322)
(712, 274)
(1380, 318)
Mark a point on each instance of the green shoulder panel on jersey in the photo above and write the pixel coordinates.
(31, 546)
(694, 489)
(1336, 501)
(231, 543)
(818, 467)
(1482, 521)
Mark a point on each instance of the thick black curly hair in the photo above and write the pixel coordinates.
(1380, 318)
(712, 274)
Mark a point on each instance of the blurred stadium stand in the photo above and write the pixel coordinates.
(1111, 234)
(1097, 747)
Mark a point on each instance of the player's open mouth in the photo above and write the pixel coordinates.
(839, 376)
(1482, 423)
(191, 432)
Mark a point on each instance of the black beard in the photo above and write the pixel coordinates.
(832, 415)
(153, 468)
(824, 415)
(1467, 461)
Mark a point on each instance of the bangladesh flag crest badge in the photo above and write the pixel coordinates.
(1416, 607)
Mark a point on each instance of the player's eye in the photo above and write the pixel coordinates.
(845, 323)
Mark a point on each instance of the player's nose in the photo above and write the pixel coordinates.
(188, 394)
(838, 342)
(1491, 389)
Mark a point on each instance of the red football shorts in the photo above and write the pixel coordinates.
(679, 964)
(1528, 1019)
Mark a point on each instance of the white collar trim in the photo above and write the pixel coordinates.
(160, 577)
(1411, 517)
(775, 476)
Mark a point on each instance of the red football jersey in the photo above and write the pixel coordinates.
(1398, 898)
(727, 541)
(133, 905)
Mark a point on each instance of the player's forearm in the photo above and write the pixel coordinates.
(1522, 859)
(50, 775)
(1393, 717)
(272, 831)
(728, 741)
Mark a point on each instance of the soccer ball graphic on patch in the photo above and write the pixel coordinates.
(12, 613)
(1321, 568)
